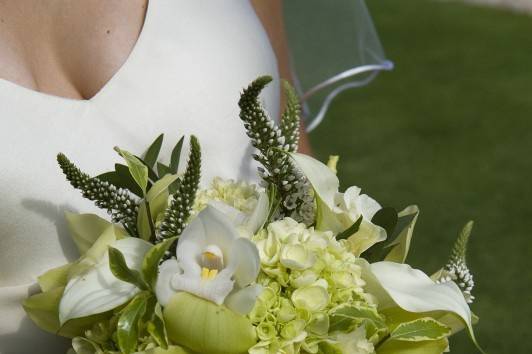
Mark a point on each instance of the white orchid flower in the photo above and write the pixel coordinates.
(338, 211)
(214, 263)
(246, 223)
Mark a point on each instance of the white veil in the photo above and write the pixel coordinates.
(333, 46)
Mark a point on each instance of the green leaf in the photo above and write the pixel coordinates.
(121, 178)
(163, 170)
(119, 268)
(143, 223)
(151, 155)
(176, 155)
(350, 230)
(422, 329)
(346, 317)
(138, 170)
(150, 264)
(160, 186)
(54, 278)
(386, 218)
(157, 329)
(85, 229)
(401, 347)
(151, 173)
(401, 244)
(128, 324)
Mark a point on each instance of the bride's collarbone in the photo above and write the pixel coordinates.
(68, 49)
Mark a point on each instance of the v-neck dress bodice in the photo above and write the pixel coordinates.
(183, 77)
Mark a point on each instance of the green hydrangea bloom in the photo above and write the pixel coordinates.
(307, 276)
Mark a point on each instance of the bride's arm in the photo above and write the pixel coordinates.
(270, 13)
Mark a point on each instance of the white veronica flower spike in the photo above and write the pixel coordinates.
(214, 263)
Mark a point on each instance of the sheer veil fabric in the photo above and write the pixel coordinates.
(334, 46)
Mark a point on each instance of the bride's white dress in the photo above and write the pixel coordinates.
(183, 77)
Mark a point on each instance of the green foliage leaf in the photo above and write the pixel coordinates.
(163, 170)
(176, 155)
(151, 155)
(54, 278)
(160, 186)
(137, 169)
(121, 178)
(346, 317)
(401, 244)
(421, 329)
(386, 218)
(85, 229)
(150, 264)
(157, 329)
(128, 323)
(402, 347)
(143, 222)
(119, 268)
(350, 230)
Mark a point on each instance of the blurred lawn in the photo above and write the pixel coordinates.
(450, 130)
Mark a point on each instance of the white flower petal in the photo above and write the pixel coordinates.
(257, 218)
(215, 290)
(397, 284)
(244, 261)
(163, 289)
(98, 290)
(322, 179)
(367, 206)
(242, 301)
(235, 215)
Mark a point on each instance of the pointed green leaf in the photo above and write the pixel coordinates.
(119, 268)
(176, 155)
(401, 244)
(151, 155)
(420, 330)
(150, 264)
(163, 170)
(157, 329)
(160, 186)
(85, 229)
(143, 223)
(128, 324)
(347, 317)
(401, 347)
(350, 230)
(386, 218)
(138, 170)
(54, 278)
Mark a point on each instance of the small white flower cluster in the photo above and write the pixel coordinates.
(239, 195)
(457, 271)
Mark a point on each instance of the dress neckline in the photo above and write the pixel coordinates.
(11, 86)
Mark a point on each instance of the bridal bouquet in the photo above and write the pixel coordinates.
(291, 265)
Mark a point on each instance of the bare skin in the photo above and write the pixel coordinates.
(72, 48)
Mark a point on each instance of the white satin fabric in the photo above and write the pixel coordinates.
(183, 77)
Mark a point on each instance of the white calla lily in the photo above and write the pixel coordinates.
(338, 211)
(212, 262)
(97, 290)
(399, 285)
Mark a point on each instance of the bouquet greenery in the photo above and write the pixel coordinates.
(291, 265)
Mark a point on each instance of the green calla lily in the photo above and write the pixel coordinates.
(206, 327)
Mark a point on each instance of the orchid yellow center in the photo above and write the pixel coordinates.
(211, 262)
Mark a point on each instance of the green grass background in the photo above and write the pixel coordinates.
(450, 129)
